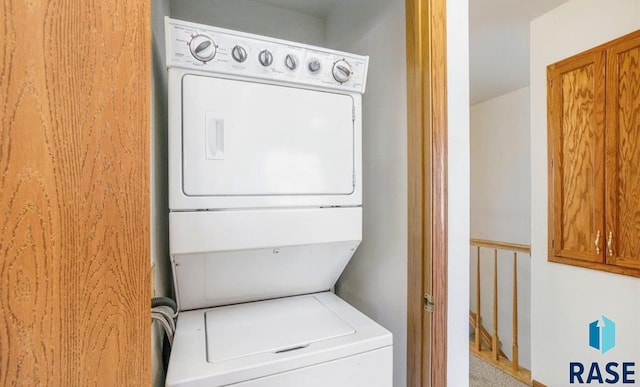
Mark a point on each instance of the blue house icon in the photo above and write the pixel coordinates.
(602, 334)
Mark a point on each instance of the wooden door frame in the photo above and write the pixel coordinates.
(427, 191)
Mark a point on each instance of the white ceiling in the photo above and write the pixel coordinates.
(499, 44)
(499, 40)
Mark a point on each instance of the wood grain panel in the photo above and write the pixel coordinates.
(579, 164)
(576, 121)
(74, 204)
(439, 189)
(418, 162)
(623, 153)
(427, 201)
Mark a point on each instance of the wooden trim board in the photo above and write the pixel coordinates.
(427, 201)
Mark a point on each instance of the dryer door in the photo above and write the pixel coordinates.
(251, 139)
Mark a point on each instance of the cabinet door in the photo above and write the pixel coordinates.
(576, 146)
(623, 153)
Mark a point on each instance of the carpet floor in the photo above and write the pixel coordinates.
(482, 374)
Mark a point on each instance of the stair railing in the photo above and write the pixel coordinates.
(476, 321)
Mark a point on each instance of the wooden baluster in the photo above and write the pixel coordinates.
(495, 341)
(491, 341)
(515, 312)
(478, 326)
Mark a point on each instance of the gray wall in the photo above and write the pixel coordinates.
(375, 281)
(253, 17)
(159, 193)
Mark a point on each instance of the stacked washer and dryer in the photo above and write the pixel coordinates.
(265, 197)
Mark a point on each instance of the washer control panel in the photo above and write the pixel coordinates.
(205, 48)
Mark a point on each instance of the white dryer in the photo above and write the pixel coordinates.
(265, 197)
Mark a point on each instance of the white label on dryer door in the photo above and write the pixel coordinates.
(244, 138)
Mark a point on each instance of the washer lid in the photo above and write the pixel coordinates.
(191, 359)
(274, 326)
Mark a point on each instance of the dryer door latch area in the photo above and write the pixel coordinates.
(214, 136)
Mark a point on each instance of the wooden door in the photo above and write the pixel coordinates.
(74, 193)
(623, 153)
(576, 146)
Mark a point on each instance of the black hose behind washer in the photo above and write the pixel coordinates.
(164, 301)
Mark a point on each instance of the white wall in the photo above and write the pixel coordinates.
(500, 210)
(375, 281)
(500, 168)
(565, 298)
(458, 192)
(252, 16)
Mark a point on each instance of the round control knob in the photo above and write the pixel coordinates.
(291, 61)
(202, 47)
(238, 53)
(342, 71)
(265, 58)
(314, 65)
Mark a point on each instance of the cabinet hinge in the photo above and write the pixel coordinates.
(551, 163)
(429, 302)
(553, 243)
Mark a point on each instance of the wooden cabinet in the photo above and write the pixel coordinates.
(594, 157)
(622, 128)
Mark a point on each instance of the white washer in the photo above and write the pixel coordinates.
(265, 197)
(315, 340)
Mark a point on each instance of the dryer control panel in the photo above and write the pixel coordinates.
(218, 50)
